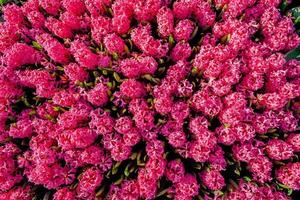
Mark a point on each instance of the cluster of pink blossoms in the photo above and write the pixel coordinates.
(148, 99)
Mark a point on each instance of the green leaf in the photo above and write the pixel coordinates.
(283, 186)
(139, 160)
(32, 112)
(25, 101)
(80, 84)
(290, 191)
(115, 56)
(104, 72)
(100, 191)
(133, 156)
(117, 77)
(171, 40)
(36, 45)
(283, 5)
(218, 193)
(195, 32)
(295, 12)
(119, 181)
(109, 84)
(225, 39)
(297, 20)
(272, 130)
(47, 196)
(163, 192)
(56, 108)
(237, 172)
(126, 171)
(127, 49)
(293, 54)
(73, 186)
(195, 71)
(3, 2)
(246, 178)
(115, 168)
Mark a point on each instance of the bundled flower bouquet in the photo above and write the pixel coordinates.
(149, 99)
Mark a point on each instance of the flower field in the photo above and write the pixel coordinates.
(149, 99)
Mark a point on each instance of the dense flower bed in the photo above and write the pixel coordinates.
(148, 99)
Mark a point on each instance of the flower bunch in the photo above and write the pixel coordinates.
(149, 99)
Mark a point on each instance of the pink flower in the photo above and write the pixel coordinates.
(217, 160)
(147, 184)
(187, 186)
(96, 7)
(247, 150)
(75, 7)
(59, 28)
(243, 131)
(177, 139)
(89, 180)
(263, 122)
(50, 177)
(100, 27)
(205, 90)
(76, 72)
(287, 121)
(114, 43)
(180, 111)
(261, 168)
(130, 68)
(142, 38)
(98, 96)
(123, 125)
(175, 171)
(279, 149)
(129, 190)
(78, 138)
(155, 149)
(65, 98)
(212, 179)
(132, 137)
(51, 7)
(9, 90)
(121, 24)
(183, 30)
(146, 10)
(225, 135)
(55, 50)
(165, 21)
(294, 140)
(163, 105)
(101, 121)
(236, 7)
(120, 151)
(64, 193)
(252, 81)
(19, 192)
(36, 19)
(208, 104)
(13, 15)
(132, 89)
(73, 21)
(21, 54)
(83, 55)
(182, 9)
(21, 129)
(289, 175)
(181, 51)
(147, 65)
(204, 14)
(198, 151)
